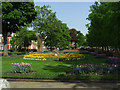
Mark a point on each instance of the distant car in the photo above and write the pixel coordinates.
(86, 48)
(32, 50)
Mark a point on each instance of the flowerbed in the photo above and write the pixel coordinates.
(70, 50)
(84, 52)
(100, 55)
(93, 53)
(21, 68)
(114, 60)
(61, 56)
(87, 69)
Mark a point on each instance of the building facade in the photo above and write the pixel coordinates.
(9, 46)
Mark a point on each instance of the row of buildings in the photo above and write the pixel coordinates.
(33, 42)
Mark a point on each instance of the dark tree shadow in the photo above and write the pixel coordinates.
(58, 68)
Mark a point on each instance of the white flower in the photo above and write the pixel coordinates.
(55, 54)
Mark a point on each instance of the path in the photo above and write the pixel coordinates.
(55, 84)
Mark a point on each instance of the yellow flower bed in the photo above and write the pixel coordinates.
(43, 56)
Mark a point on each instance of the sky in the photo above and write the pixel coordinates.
(74, 14)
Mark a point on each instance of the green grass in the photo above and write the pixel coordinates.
(51, 68)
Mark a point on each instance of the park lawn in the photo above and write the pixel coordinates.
(51, 68)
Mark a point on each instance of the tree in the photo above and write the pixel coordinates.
(15, 14)
(103, 33)
(58, 35)
(40, 24)
(25, 41)
(49, 29)
(80, 38)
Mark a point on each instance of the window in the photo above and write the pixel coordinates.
(9, 46)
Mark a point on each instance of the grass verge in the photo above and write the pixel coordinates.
(52, 69)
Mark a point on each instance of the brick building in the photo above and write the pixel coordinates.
(32, 46)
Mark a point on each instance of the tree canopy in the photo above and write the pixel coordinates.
(80, 38)
(22, 39)
(52, 31)
(104, 27)
(15, 14)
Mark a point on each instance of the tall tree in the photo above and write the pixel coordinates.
(15, 14)
(49, 29)
(103, 33)
(40, 24)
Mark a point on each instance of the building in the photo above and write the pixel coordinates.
(32, 46)
(1, 42)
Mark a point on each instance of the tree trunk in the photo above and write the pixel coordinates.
(107, 49)
(38, 43)
(51, 48)
(41, 45)
(38, 46)
(102, 48)
(15, 48)
(5, 44)
(116, 50)
(75, 45)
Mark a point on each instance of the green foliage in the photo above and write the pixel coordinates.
(14, 15)
(104, 27)
(80, 38)
(23, 38)
(52, 31)
(58, 35)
